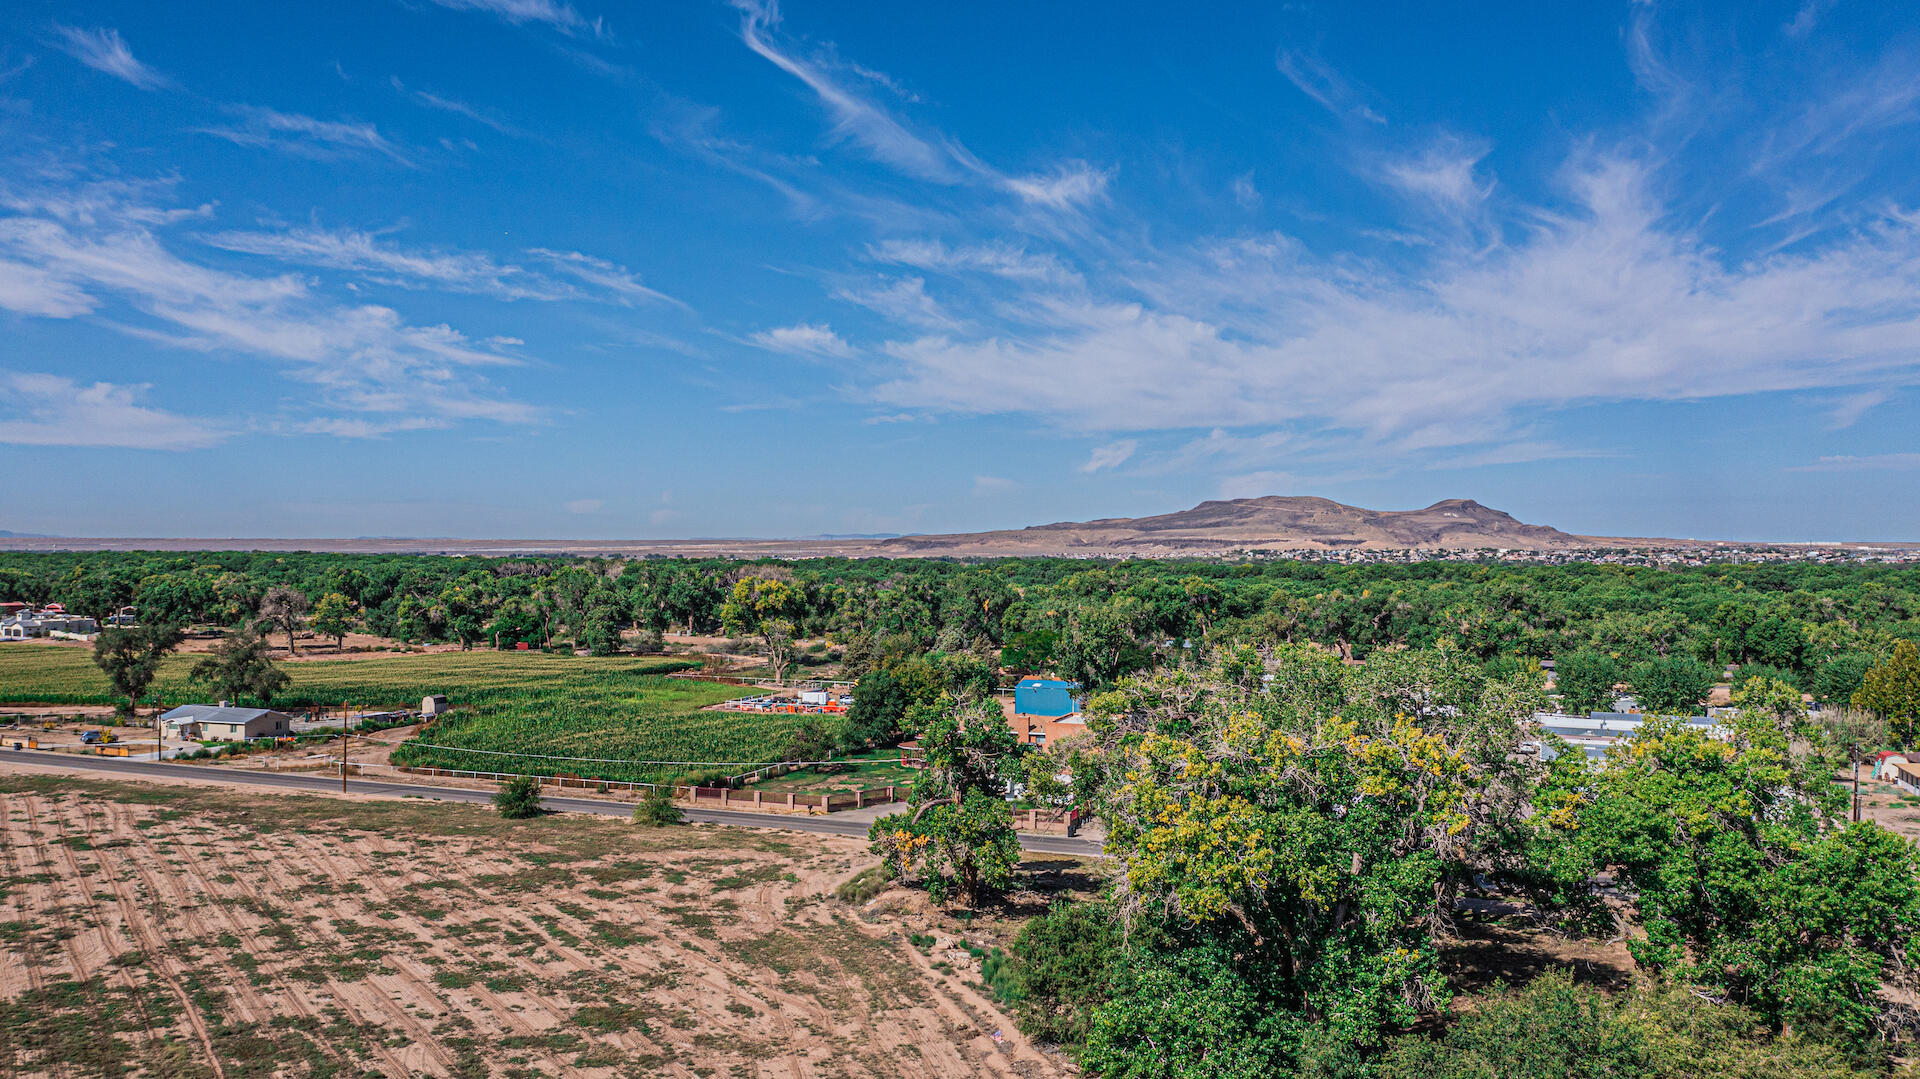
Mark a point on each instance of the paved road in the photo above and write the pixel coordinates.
(1039, 844)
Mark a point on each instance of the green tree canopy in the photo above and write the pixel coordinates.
(334, 616)
(1748, 878)
(767, 608)
(1313, 832)
(1893, 690)
(1673, 686)
(131, 658)
(1585, 680)
(959, 839)
(241, 667)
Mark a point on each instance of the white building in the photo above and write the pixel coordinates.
(223, 722)
(30, 624)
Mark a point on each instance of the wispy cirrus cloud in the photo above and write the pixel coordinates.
(1444, 173)
(428, 99)
(1872, 99)
(553, 13)
(904, 300)
(1846, 411)
(31, 290)
(105, 50)
(1245, 193)
(998, 258)
(305, 136)
(808, 339)
(1110, 455)
(1068, 185)
(933, 158)
(608, 277)
(350, 249)
(105, 249)
(1604, 301)
(1319, 80)
(1897, 462)
(855, 117)
(51, 410)
(568, 275)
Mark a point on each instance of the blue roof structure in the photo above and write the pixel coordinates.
(1045, 697)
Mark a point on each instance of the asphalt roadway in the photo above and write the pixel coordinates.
(322, 784)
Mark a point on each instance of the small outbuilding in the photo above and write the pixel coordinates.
(433, 705)
(226, 723)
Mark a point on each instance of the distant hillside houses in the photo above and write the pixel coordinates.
(20, 623)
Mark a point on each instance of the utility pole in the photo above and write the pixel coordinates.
(346, 733)
(1856, 784)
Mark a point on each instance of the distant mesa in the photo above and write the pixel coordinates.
(1276, 522)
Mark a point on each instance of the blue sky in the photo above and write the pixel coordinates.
(525, 268)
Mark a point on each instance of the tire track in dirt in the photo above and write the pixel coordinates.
(961, 1007)
(417, 974)
(574, 959)
(421, 1035)
(154, 948)
(160, 897)
(258, 1007)
(380, 890)
(414, 974)
(80, 967)
(30, 960)
(577, 960)
(774, 915)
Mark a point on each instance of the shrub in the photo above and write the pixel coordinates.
(1060, 971)
(864, 885)
(657, 809)
(518, 798)
(1002, 973)
(1554, 1028)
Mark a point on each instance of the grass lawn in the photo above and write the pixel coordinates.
(510, 702)
(874, 768)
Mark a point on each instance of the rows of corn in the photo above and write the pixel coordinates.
(508, 703)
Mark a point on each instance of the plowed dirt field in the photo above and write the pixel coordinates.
(189, 931)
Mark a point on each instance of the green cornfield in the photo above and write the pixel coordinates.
(509, 702)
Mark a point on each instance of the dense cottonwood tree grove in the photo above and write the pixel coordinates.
(1821, 627)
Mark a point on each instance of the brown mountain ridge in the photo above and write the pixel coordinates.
(1277, 522)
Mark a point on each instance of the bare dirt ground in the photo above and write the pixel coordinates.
(1886, 805)
(163, 930)
(311, 645)
(70, 720)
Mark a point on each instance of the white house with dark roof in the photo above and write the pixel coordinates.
(225, 722)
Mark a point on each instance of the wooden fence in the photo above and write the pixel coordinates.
(833, 802)
(718, 797)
